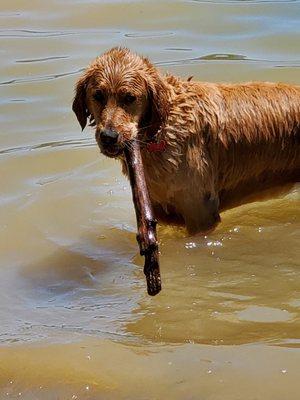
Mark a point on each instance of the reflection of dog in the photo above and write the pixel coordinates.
(204, 145)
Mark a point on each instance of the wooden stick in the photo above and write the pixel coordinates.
(146, 222)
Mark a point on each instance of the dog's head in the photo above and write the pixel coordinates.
(123, 96)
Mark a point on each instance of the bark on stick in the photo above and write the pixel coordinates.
(146, 222)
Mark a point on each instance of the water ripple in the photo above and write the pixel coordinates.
(33, 60)
(149, 34)
(230, 58)
(26, 33)
(41, 78)
(74, 143)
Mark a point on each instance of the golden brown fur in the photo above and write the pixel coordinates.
(224, 141)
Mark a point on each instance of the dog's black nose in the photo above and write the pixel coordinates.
(109, 136)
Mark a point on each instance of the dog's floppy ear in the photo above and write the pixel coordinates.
(79, 104)
(158, 106)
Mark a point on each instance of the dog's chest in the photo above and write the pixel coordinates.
(162, 176)
(165, 169)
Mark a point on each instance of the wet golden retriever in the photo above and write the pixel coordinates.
(205, 146)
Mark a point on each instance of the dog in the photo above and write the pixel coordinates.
(205, 146)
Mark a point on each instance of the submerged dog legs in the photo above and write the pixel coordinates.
(200, 215)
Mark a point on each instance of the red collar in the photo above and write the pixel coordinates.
(156, 147)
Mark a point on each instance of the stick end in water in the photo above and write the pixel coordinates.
(153, 283)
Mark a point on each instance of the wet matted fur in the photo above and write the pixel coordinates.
(223, 142)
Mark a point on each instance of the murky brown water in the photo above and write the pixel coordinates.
(76, 322)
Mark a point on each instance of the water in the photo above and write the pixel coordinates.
(76, 322)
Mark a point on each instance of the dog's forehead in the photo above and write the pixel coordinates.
(119, 75)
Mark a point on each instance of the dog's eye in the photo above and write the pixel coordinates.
(99, 96)
(129, 98)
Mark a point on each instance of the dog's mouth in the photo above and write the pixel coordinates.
(110, 147)
(112, 151)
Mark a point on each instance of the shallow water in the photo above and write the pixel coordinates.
(76, 322)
